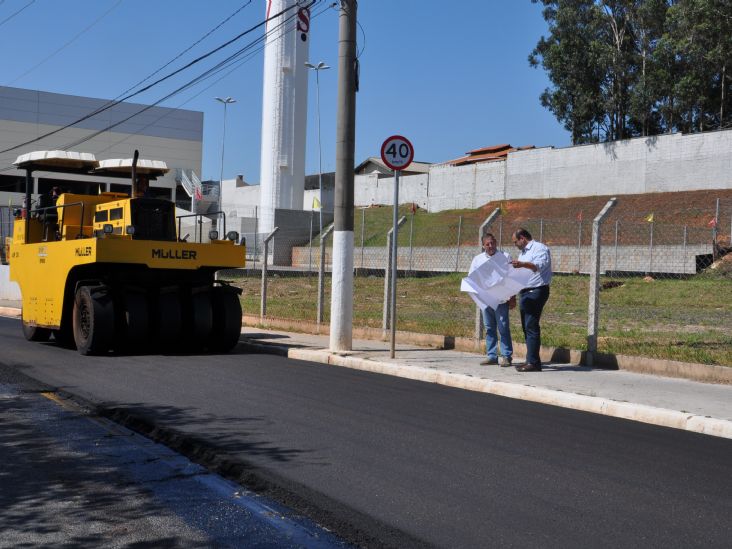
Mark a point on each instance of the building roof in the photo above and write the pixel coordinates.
(377, 165)
(492, 153)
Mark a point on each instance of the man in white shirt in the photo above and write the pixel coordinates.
(536, 257)
(495, 320)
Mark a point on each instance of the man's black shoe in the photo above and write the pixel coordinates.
(528, 367)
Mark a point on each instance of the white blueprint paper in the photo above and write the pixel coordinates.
(495, 281)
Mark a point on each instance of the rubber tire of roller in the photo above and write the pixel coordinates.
(93, 320)
(226, 320)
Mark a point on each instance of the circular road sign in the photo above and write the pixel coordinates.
(397, 152)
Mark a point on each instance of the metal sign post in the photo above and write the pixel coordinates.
(397, 153)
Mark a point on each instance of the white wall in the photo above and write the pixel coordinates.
(9, 291)
(664, 163)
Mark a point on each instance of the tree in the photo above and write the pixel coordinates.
(624, 68)
(569, 54)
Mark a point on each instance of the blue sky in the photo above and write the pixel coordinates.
(450, 76)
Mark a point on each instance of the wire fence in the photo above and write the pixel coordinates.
(664, 281)
(664, 286)
(7, 220)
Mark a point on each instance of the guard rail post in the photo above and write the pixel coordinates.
(263, 304)
(593, 311)
(478, 313)
(321, 274)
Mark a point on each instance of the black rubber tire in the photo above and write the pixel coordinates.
(35, 333)
(201, 318)
(169, 317)
(64, 336)
(226, 319)
(93, 320)
(136, 319)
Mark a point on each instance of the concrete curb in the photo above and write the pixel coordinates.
(706, 373)
(597, 405)
(624, 410)
(11, 312)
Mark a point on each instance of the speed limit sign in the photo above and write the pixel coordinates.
(397, 152)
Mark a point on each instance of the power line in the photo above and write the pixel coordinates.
(201, 77)
(16, 13)
(67, 44)
(236, 65)
(234, 59)
(187, 49)
(149, 86)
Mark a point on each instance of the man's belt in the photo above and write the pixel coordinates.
(525, 290)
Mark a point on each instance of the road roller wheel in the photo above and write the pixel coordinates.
(201, 318)
(135, 319)
(64, 335)
(93, 320)
(35, 333)
(226, 319)
(169, 317)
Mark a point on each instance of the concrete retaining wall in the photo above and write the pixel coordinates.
(565, 259)
(663, 163)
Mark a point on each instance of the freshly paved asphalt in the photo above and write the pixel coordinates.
(73, 480)
(411, 463)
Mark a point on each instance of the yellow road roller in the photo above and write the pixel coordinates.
(111, 272)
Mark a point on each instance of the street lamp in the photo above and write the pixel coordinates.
(317, 68)
(226, 101)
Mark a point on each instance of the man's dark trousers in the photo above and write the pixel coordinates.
(532, 301)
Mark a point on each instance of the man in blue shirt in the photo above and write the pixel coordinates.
(536, 257)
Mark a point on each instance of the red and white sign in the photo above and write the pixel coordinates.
(397, 152)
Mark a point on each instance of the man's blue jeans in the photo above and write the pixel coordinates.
(497, 321)
(532, 302)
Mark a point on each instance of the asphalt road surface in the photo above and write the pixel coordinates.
(73, 480)
(394, 462)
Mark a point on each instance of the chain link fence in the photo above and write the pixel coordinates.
(661, 292)
(7, 220)
(665, 277)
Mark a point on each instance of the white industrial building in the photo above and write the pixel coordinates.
(172, 135)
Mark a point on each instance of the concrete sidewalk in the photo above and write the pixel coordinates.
(668, 402)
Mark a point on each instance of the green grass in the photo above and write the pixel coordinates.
(428, 229)
(688, 320)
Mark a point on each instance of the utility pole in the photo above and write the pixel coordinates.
(341, 305)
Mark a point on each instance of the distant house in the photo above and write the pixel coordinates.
(375, 165)
(493, 153)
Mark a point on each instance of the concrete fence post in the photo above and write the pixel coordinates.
(263, 303)
(478, 313)
(579, 247)
(321, 274)
(616, 245)
(593, 310)
(385, 321)
(411, 242)
(686, 233)
(256, 234)
(457, 248)
(650, 251)
(363, 229)
(715, 229)
(310, 245)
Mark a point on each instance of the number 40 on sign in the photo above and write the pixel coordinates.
(397, 152)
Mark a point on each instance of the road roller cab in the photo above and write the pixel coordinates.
(110, 272)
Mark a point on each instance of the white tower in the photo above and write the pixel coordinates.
(284, 110)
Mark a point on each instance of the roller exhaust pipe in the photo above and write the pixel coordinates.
(134, 172)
